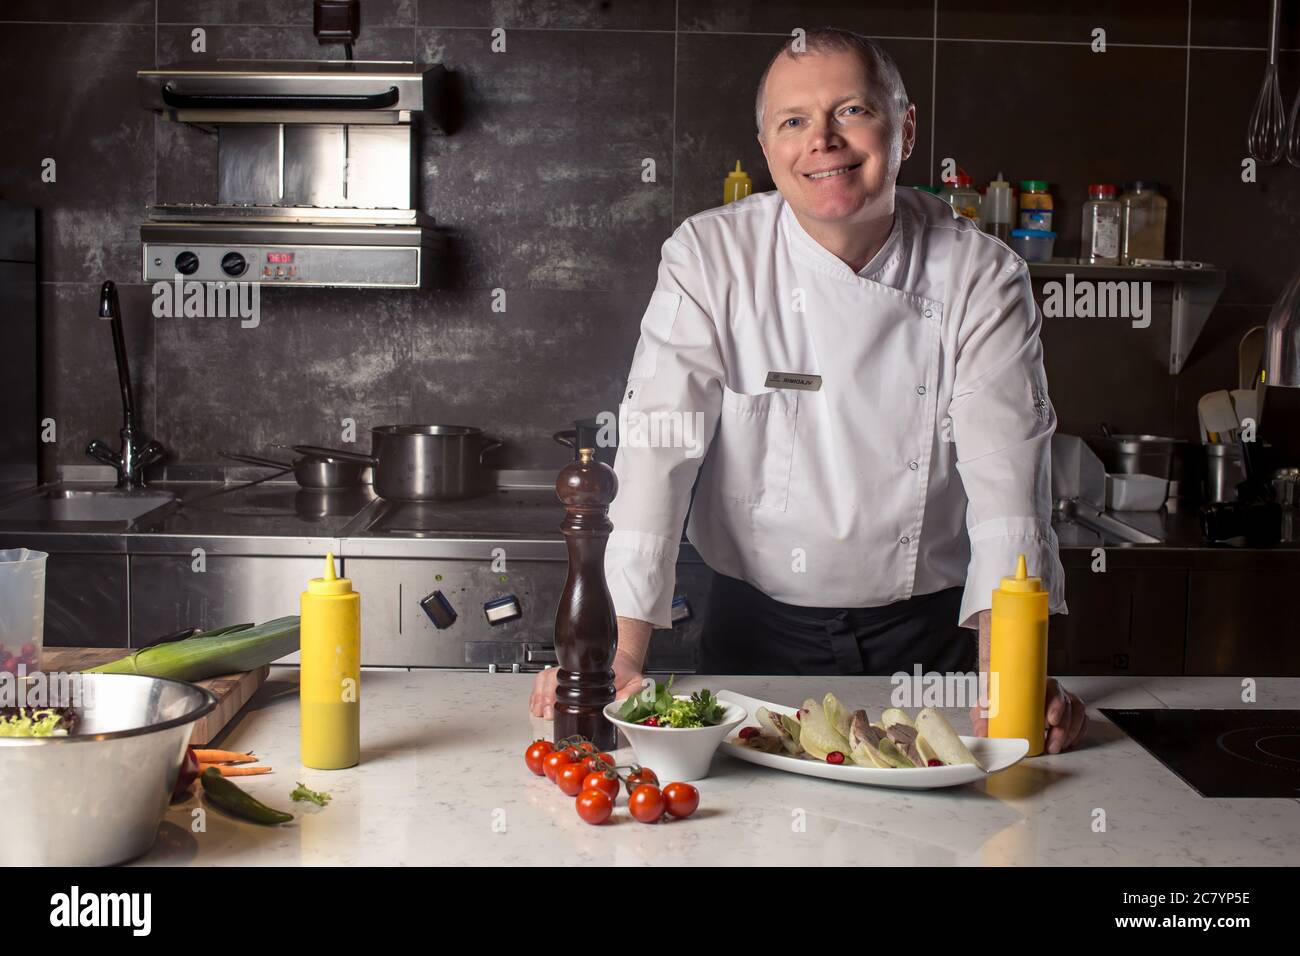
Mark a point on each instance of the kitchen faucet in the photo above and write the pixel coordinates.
(136, 452)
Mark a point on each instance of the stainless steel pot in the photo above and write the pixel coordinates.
(424, 462)
(1137, 454)
(96, 798)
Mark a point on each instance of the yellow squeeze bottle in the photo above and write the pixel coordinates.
(737, 185)
(330, 679)
(1018, 659)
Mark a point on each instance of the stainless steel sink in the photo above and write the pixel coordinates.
(89, 505)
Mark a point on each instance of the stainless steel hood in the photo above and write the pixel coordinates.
(315, 173)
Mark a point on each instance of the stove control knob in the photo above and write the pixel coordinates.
(187, 263)
(233, 264)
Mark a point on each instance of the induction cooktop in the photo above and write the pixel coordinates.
(1221, 753)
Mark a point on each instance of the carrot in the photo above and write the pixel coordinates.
(223, 756)
(234, 771)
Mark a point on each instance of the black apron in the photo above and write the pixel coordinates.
(747, 632)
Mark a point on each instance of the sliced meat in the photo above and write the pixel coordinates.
(902, 735)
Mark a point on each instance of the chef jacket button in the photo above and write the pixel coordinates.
(914, 465)
(920, 389)
(904, 539)
(929, 314)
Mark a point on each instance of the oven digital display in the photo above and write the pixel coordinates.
(279, 257)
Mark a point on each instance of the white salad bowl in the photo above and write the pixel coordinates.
(677, 753)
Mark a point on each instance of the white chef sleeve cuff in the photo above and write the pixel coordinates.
(641, 572)
(994, 548)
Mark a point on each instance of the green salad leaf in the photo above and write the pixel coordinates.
(301, 792)
(656, 700)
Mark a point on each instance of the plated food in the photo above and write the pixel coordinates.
(829, 731)
(826, 739)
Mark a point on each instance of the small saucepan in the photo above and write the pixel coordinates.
(312, 471)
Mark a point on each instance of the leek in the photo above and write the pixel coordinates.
(210, 653)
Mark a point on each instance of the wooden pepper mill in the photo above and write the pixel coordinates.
(586, 631)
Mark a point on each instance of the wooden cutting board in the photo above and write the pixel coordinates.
(233, 690)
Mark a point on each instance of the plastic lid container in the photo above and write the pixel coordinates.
(1033, 245)
(1137, 184)
(1033, 185)
(1102, 191)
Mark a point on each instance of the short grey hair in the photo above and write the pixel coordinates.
(879, 64)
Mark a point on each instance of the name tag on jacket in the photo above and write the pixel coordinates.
(808, 383)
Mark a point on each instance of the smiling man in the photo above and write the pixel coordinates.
(869, 376)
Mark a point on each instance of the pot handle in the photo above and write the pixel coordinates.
(489, 444)
(316, 451)
(568, 437)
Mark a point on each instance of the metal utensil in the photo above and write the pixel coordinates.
(1266, 136)
(320, 472)
(1293, 134)
(96, 798)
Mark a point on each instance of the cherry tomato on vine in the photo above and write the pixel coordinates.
(607, 782)
(640, 775)
(535, 754)
(569, 778)
(594, 806)
(646, 804)
(552, 763)
(681, 800)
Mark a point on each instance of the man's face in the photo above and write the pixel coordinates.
(822, 113)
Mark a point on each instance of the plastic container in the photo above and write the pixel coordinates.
(1102, 221)
(737, 185)
(1035, 205)
(1018, 659)
(998, 209)
(1144, 212)
(330, 673)
(1136, 492)
(22, 609)
(963, 197)
(1033, 245)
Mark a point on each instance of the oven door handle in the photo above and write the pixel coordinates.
(280, 101)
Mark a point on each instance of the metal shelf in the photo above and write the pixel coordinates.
(1195, 293)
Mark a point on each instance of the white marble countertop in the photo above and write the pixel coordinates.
(442, 781)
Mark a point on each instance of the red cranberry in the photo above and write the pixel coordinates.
(835, 757)
(934, 762)
(652, 721)
(747, 732)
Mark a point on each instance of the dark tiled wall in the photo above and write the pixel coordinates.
(541, 189)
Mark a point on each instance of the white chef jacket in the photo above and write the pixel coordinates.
(921, 462)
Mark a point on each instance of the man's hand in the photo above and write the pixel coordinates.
(633, 640)
(1066, 717)
(541, 703)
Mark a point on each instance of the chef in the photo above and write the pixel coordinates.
(841, 382)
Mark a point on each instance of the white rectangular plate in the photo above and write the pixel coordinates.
(995, 753)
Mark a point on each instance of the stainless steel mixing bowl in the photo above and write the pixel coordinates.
(96, 798)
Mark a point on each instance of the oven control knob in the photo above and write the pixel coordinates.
(187, 263)
(233, 264)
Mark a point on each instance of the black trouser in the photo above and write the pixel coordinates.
(747, 632)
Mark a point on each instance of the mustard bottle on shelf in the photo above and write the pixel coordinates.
(1018, 659)
(330, 677)
(737, 185)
